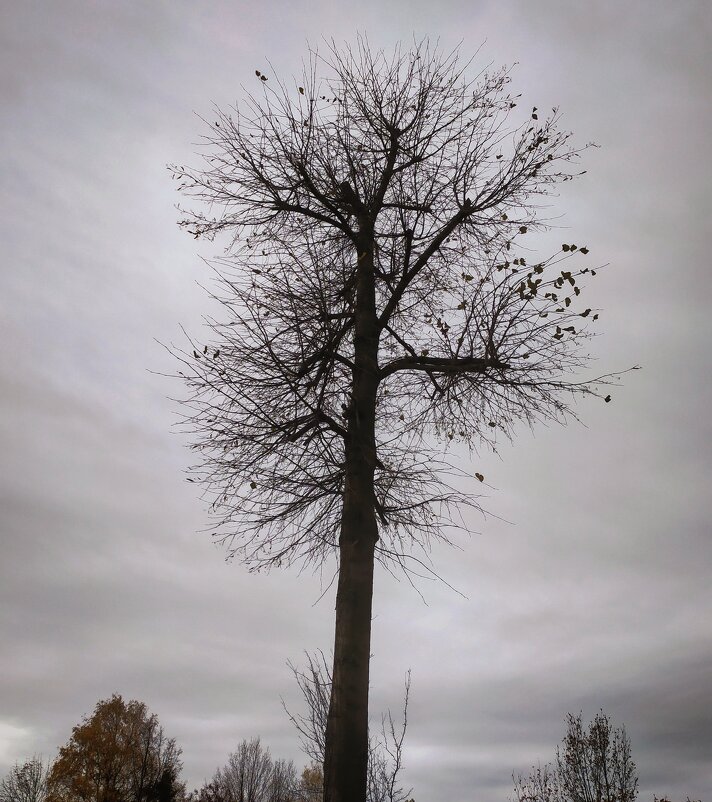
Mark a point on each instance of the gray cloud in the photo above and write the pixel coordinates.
(597, 592)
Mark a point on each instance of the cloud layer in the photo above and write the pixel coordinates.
(588, 586)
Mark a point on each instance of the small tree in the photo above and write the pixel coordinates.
(596, 764)
(592, 765)
(540, 785)
(118, 754)
(26, 782)
(166, 788)
(283, 782)
(385, 750)
(210, 791)
(250, 775)
(246, 776)
(311, 784)
(378, 297)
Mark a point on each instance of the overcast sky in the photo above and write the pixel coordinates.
(588, 588)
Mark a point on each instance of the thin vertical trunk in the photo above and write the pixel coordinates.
(346, 753)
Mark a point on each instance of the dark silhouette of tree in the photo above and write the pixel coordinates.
(118, 754)
(596, 764)
(314, 683)
(166, 788)
(377, 297)
(283, 782)
(592, 765)
(245, 777)
(26, 782)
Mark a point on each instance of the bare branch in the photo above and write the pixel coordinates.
(470, 341)
(442, 365)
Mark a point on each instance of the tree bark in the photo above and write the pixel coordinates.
(346, 756)
(346, 752)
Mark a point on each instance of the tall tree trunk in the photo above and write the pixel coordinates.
(346, 752)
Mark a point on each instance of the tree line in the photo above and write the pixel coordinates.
(120, 753)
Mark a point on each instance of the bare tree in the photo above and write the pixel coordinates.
(251, 775)
(315, 685)
(540, 785)
(283, 782)
(592, 765)
(376, 298)
(246, 777)
(385, 750)
(596, 764)
(26, 782)
(385, 757)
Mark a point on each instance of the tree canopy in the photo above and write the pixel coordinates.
(473, 333)
(593, 764)
(118, 754)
